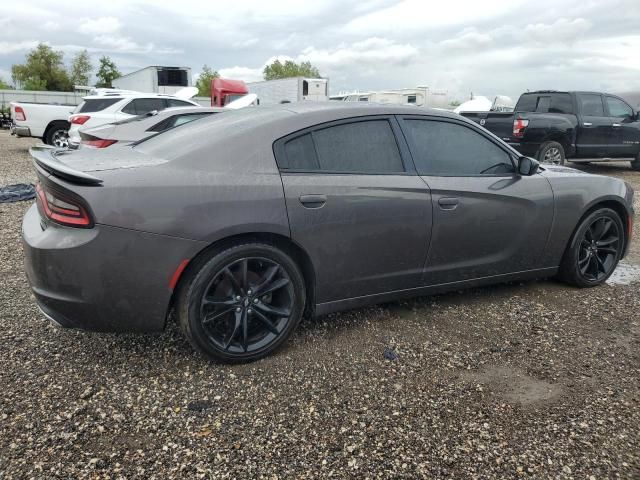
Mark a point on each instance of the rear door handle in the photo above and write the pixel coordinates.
(313, 201)
(616, 125)
(448, 203)
(587, 124)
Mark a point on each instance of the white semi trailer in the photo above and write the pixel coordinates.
(155, 79)
(293, 89)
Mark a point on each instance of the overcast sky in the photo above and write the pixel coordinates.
(488, 47)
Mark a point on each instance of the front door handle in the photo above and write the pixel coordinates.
(313, 201)
(616, 125)
(448, 203)
(587, 124)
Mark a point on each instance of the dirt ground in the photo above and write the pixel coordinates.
(535, 380)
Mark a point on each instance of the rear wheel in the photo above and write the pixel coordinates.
(551, 152)
(595, 249)
(243, 303)
(57, 135)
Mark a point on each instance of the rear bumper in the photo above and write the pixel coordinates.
(20, 131)
(102, 279)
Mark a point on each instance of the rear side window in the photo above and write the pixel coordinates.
(360, 147)
(453, 150)
(140, 106)
(545, 103)
(96, 105)
(591, 105)
(527, 103)
(560, 103)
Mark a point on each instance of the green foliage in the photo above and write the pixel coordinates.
(81, 68)
(43, 70)
(204, 81)
(4, 86)
(290, 69)
(455, 103)
(107, 73)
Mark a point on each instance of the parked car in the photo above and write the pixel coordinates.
(142, 126)
(553, 126)
(41, 120)
(109, 107)
(242, 222)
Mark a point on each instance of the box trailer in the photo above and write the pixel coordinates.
(155, 79)
(293, 89)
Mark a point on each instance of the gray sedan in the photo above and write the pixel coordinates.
(243, 224)
(142, 126)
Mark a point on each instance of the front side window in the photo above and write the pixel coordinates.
(450, 149)
(140, 106)
(618, 108)
(360, 147)
(591, 105)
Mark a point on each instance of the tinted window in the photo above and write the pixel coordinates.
(140, 106)
(182, 119)
(368, 146)
(591, 105)
(300, 154)
(178, 103)
(527, 103)
(449, 149)
(543, 104)
(96, 105)
(560, 103)
(359, 147)
(176, 120)
(617, 108)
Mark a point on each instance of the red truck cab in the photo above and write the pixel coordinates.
(224, 91)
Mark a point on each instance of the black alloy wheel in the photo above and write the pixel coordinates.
(599, 249)
(243, 303)
(595, 249)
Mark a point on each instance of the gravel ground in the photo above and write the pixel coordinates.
(526, 380)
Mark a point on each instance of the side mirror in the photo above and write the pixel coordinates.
(527, 166)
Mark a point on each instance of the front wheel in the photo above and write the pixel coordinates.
(551, 152)
(243, 303)
(595, 249)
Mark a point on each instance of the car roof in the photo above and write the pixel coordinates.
(121, 96)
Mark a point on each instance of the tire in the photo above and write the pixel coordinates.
(57, 135)
(551, 152)
(235, 317)
(635, 165)
(581, 265)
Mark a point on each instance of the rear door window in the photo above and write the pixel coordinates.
(591, 105)
(93, 105)
(560, 103)
(140, 106)
(359, 147)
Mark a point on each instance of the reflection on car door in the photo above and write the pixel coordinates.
(361, 214)
(487, 219)
(595, 131)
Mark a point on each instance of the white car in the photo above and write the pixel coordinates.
(113, 106)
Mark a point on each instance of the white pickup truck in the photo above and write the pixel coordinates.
(41, 120)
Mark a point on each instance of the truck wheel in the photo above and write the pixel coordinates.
(551, 152)
(57, 135)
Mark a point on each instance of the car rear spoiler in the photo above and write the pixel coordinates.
(44, 157)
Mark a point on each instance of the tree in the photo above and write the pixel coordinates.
(43, 70)
(455, 103)
(81, 68)
(107, 73)
(204, 81)
(3, 85)
(290, 69)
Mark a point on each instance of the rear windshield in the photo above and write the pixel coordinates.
(96, 105)
(545, 103)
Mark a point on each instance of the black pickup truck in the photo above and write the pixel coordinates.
(554, 126)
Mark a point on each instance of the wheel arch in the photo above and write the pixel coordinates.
(284, 243)
(50, 126)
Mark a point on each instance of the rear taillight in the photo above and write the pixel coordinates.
(20, 115)
(61, 209)
(519, 126)
(79, 119)
(99, 142)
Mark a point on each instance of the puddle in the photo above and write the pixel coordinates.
(624, 274)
